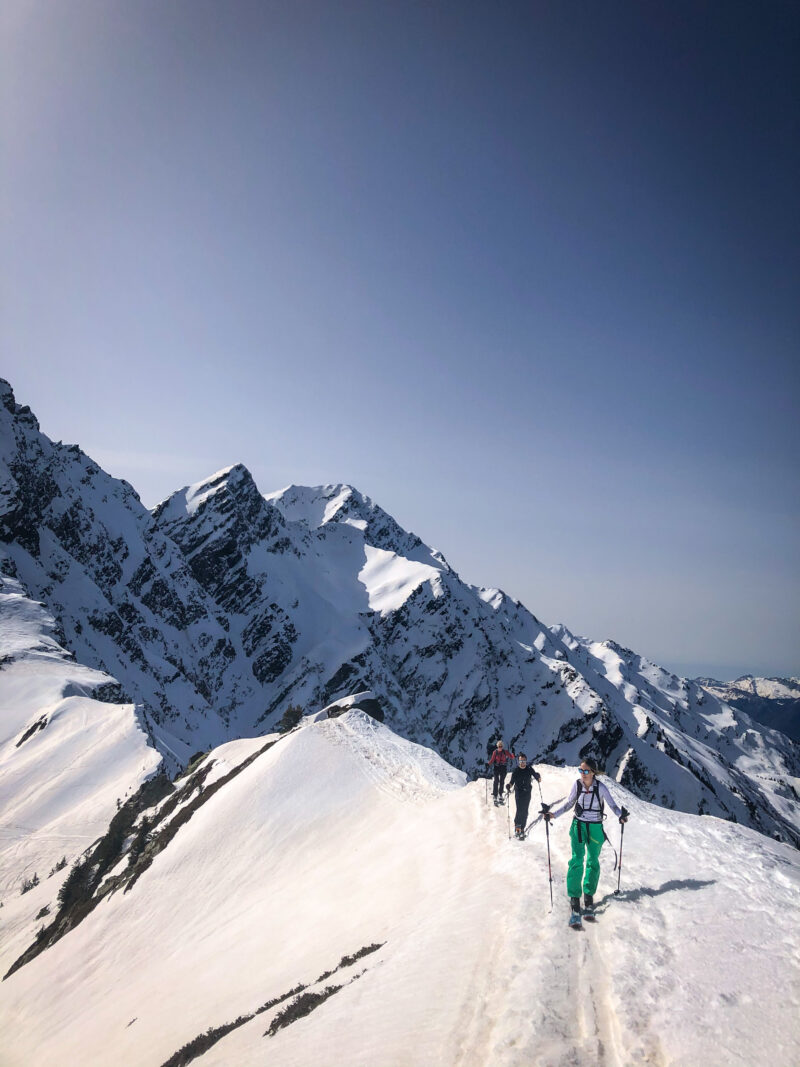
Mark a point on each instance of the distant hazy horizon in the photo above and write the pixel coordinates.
(525, 274)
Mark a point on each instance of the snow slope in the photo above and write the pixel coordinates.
(66, 756)
(341, 836)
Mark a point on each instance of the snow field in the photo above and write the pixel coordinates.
(343, 835)
(391, 579)
(59, 786)
(287, 869)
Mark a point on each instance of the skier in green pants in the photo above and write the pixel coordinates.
(587, 798)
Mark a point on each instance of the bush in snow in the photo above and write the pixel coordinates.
(77, 885)
(291, 717)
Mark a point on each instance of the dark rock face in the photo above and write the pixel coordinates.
(123, 595)
(223, 608)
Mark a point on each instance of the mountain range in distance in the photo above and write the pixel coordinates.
(223, 609)
(774, 702)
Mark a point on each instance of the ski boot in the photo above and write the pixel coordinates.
(575, 914)
(588, 907)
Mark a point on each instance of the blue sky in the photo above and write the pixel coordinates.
(525, 273)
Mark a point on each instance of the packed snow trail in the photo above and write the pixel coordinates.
(704, 949)
(343, 836)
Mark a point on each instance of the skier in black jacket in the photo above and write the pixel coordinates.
(521, 783)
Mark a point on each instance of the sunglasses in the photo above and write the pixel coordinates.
(585, 771)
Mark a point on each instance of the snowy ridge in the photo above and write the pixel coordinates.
(67, 758)
(223, 607)
(392, 763)
(311, 855)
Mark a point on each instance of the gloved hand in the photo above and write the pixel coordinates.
(537, 776)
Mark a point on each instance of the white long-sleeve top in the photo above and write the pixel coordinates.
(590, 801)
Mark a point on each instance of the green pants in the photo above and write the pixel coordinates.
(586, 846)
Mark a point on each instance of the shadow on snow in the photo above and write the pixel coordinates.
(647, 891)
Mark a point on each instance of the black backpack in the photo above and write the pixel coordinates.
(595, 791)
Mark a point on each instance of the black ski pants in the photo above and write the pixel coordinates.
(499, 779)
(523, 803)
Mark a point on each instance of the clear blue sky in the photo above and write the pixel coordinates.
(525, 273)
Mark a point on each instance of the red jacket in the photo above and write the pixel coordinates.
(501, 756)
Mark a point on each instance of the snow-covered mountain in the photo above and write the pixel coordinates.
(68, 755)
(224, 607)
(338, 895)
(774, 702)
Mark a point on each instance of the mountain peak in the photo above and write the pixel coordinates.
(209, 493)
(7, 395)
(316, 506)
(18, 411)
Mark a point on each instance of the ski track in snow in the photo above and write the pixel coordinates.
(538, 972)
(396, 767)
(554, 997)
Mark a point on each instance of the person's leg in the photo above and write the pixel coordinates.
(496, 782)
(595, 841)
(578, 838)
(523, 802)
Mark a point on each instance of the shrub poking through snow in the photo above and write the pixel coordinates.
(299, 1008)
(291, 717)
(203, 1042)
(304, 1003)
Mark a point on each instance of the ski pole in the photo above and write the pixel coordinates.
(545, 810)
(625, 814)
(508, 812)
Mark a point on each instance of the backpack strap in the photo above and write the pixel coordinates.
(595, 791)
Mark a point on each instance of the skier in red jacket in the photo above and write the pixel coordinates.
(500, 760)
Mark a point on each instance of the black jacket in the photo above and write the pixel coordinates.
(521, 779)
